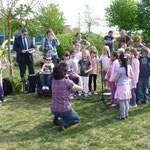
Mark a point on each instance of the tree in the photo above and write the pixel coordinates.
(89, 20)
(123, 14)
(14, 15)
(49, 17)
(144, 19)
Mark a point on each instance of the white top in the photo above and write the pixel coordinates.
(105, 61)
(74, 62)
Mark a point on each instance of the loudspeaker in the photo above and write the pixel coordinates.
(32, 79)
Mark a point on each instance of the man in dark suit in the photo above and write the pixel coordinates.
(21, 44)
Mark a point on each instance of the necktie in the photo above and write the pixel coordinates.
(25, 46)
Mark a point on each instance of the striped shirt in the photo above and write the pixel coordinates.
(61, 93)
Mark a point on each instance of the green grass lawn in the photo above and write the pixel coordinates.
(26, 124)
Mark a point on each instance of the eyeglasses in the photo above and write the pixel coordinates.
(48, 59)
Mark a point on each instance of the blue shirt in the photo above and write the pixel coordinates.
(26, 42)
(109, 38)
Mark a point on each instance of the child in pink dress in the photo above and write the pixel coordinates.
(136, 70)
(115, 67)
(105, 60)
(123, 92)
(78, 51)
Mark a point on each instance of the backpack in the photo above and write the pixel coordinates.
(7, 86)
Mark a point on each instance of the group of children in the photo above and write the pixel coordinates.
(127, 73)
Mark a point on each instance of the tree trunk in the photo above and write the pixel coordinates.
(89, 28)
(9, 37)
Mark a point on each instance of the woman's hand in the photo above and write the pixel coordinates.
(75, 75)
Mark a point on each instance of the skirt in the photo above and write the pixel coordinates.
(123, 92)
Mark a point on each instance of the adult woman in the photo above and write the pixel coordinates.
(49, 45)
(61, 94)
(138, 42)
(83, 42)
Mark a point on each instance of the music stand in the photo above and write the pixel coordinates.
(102, 98)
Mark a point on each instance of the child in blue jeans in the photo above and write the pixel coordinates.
(143, 94)
(46, 71)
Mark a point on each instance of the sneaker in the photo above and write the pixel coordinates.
(85, 98)
(43, 88)
(61, 125)
(90, 93)
(130, 106)
(146, 102)
(79, 97)
(126, 116)
(0, 101)
(95, 93)
(134, 106)
(4, 100)
(47, 88)
(109, 103)
(56, 121)
(113, 105)
(120, 117)
(71, 97)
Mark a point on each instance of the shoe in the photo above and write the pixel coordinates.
(113, 105)
(95, 93)
(130, 106)
(85, 98)
(126, 116)
(56, 121)
(134, 106)
(109, 103)
(0, 101)
(61, 125)
(139, 103)
(146, 102)
(4, 100)
(119, 117)
(90, 93)
(47, 88)
(43, 87)
(71, 97)
(79, 97)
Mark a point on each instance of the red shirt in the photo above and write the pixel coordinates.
(61, 93)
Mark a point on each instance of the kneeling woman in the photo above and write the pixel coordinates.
(61, 93)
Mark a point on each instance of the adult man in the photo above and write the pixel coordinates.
(109, 40)
(21, 45)
(124, 38)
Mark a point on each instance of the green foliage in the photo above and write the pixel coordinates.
(143, 19)
(123, 14)
(65, 43)
(48, 17)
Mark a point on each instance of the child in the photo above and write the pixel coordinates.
(46, 71)
(105, 60)
(78, 51)
(95, 70)
(123, 93)
(127, 50)
(66, 60)
(75, 69)
(135, 68)
(144, 76)
(85, 67)
(61, 104)
(115, 67)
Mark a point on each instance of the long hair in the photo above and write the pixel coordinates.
(124, 61)
(108, 50)
(88, 54)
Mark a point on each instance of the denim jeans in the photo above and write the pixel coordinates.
(68, 117)
(124, 107)
(55, 57)
(48, 83)
(143, 89)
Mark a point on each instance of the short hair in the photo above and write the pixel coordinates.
(49, 31)
(145, 49)
(72, 51)
(78, 34)
(65, 53)
(24, 30)
(110, 31)
(60, 71)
